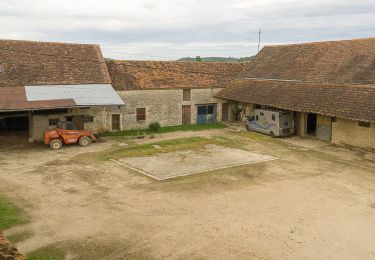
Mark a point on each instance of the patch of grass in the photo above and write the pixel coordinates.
(166, 129)
(161, 147)
(49, 252)
(21, 236)
(10, 215)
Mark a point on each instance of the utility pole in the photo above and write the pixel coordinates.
(260, 32)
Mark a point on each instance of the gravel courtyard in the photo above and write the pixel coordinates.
(182, 163)
(316, 201)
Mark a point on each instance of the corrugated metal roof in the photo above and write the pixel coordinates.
(83, 95)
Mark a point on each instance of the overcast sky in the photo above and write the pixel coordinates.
(171, 29)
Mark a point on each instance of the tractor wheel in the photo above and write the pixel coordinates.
(84, 141)
(55, 144)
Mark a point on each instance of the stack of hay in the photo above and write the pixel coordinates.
(8, 251)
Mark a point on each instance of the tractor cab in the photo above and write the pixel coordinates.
(66, 125)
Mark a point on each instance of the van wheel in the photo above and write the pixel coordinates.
(272, 134)
(84, 141)
(55, 144)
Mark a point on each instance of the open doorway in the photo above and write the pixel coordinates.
(14, 127)
(311, 124)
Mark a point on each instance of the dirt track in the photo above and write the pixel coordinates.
(315, 202)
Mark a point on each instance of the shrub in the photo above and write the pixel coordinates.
(154, 127)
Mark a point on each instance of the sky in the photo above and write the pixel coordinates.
(171, 29)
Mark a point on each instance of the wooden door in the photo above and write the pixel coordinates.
(116, 122)
(324, 128)
(186, 115)
(225, 112)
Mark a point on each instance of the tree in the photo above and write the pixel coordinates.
(198, 58)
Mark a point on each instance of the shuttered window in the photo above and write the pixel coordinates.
(186, 95)
(141, 114)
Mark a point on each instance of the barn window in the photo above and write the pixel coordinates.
(53, 121)
(186, 94)
(141, 114)
(364, 124)
(88, 119)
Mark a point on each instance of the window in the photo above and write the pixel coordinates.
(273, 117)
(186, 94)
(364, 124)
(256, 106)
(88, 119)
(141, 114)
(53, 122)
(261, 113)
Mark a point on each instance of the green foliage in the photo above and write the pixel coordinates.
(198, 58)
(47, 253)
(154, 127)
(10, 215)
(166, 129)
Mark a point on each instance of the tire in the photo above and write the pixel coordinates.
(84, 141)
(55, 144)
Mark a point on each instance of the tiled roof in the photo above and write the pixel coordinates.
(355, 102)
(45, 63)
(348, 61)
(130, 75)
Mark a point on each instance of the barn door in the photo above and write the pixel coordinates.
(186, 115)
(324, 128)
(225, 112)
(115, 122)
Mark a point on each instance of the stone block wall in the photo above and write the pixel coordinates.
(164, 106)
(347, 132)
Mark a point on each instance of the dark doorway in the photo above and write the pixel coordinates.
(14, 128)
(311, 124)
(78, 122)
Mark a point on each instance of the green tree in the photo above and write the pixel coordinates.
(198, 58)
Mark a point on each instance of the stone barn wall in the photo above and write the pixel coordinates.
(164, 106)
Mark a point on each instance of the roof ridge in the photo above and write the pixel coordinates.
(321, 42)
(50, 42)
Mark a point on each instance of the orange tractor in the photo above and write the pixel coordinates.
(67, 133)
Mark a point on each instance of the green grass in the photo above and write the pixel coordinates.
(10, 215)
(166, 129)
(21, 236)
(161, 147)
(49, 252)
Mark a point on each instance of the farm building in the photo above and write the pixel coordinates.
(171, 93)
(42, 83)
(330, 86)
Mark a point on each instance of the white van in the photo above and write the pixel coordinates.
(271, 122)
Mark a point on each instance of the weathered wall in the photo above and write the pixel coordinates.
(348, 132)
(164, 106)
(101, 115)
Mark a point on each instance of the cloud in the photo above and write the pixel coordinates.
(169, 29)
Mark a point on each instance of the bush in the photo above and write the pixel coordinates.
(154, 127)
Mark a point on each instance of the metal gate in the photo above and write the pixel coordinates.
(206, 114)
(324, 128)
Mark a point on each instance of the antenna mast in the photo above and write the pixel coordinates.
(260, 32)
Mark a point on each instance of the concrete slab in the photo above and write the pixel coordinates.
(182, 163)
